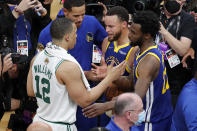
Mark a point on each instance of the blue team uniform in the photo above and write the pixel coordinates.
(112, 126)
(90, 32)
(118, 54)
(185, 116)
(157, 102)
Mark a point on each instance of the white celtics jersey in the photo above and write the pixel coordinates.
(54, 103)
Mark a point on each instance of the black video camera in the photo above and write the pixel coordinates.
(16, 57)
(139, 5)
(93, 8)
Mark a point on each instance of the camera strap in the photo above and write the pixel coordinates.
(22, 45)
(177, 24)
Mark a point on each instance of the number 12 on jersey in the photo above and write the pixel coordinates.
(45, 90)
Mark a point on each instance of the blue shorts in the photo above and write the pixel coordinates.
(163, 125)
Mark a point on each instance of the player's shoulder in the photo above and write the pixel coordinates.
(69, 67)
(88, 19)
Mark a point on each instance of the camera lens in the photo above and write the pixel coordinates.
(139, 5)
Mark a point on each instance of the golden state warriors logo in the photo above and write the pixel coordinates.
(89, 37)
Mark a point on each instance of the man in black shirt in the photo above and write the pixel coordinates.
(177, 28)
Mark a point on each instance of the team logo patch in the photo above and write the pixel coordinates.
(89, 37)
(46, 61)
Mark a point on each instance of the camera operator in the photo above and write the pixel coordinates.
(20, 25)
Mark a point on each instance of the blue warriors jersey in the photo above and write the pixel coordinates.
(118, 54)
(157, 102)
(90, 32)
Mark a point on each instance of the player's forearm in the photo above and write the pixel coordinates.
(97, 91)
(109, 105)
(141, 87)
(179, 47)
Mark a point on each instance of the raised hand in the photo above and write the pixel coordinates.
(115, 72)
(190, 53)
(39, 8)
(7, 63)
(26, 4)
(100, 71)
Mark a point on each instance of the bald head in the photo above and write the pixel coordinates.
(127, 101)
(39, 126)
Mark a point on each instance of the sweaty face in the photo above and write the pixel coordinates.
(135, 34)
(113, 27)
(76, 15)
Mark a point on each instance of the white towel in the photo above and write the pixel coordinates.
(59, 52)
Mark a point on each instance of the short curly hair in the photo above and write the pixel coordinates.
(149, 22)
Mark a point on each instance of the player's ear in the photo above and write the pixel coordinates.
(147, 36)
(66, 37)
(124, 24)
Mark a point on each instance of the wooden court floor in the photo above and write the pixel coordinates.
(55, 7)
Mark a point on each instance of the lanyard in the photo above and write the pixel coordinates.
(26, 29)
(178, 24)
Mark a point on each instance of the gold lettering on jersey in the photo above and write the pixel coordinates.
(43, 70)
(112, 58)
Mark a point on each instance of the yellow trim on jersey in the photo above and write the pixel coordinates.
(128, 69)
(146, 51)
(128, 54)
(116, 49)
(150, 53)
(136, 74)
(107, 45)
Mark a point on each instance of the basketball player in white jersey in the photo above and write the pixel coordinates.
(57, 81)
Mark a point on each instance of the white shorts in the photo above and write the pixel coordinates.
(55, 126)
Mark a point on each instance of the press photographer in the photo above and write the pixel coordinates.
(13, 95)
(20, 25)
